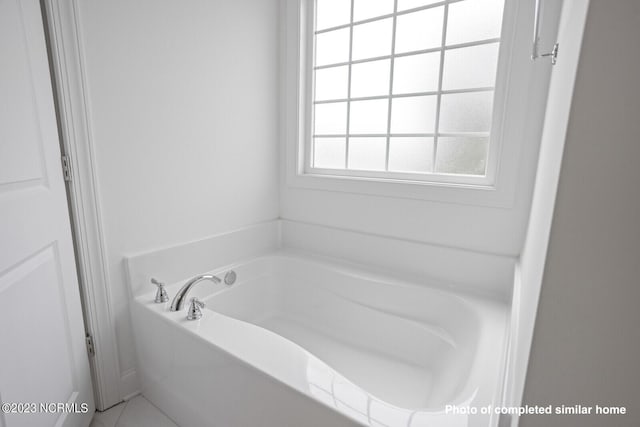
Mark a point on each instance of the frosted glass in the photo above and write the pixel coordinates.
(410, 4)
(369, 116)
(331, 83)
(364, 9)
(332, 47)
(331, 13)
(473, 20)
(367, 153)
(370, 78)
(329, 153)
(483, 60)
(466, 112)
(415, 114)
(330, 119)
(411, 155)
(462, 155)
(372, 39)
(419, 30)
(416, 73)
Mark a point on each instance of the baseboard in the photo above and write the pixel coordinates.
(129, 385)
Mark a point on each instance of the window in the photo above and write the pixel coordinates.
(403, 89)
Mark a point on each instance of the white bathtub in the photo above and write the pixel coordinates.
(298, 341)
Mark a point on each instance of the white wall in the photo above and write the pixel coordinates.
(183, 101)
(586, 344)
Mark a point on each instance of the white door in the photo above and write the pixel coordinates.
(43, 358)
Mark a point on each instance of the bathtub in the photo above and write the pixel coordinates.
(304, 341)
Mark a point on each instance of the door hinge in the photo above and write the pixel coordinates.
(90, 347)
(66, 168)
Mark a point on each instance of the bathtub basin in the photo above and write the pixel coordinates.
(302, 341)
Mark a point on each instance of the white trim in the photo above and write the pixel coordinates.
(75, 123)
(308, 141)
(306, 84)
(403, 95)
(392, 69)
(400, 135)
(396, 12)
(515, 124)
(436, 126)
(529, 271)
(411, 53)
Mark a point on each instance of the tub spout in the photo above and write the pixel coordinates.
(181, 296)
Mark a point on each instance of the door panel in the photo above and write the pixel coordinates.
(43, 358)
(21, 157)
(39, 311)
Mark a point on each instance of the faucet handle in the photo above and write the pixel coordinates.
(195, 312)
(161, 294)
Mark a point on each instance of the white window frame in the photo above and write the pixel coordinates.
(432, 177)
(515, 129)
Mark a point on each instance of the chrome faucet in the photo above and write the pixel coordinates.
(181, 296)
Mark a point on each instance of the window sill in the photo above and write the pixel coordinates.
(440, 192)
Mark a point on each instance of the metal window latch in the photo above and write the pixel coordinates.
(535, 54)
(553, 54)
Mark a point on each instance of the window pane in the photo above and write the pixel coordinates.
(331, 13)
(410, 4)
(331, 83)
(369, 116)
(419, 30)
(370, 78)
(462, 155)
(416, 73)
(465, 117)
(329, 153)
(413, 114)
(372, 39)
(330, 119)
(473, 20)
(332, 47)
(367, 153)
(481, 59)
(411, 155)
(364, 9)
(466, 112)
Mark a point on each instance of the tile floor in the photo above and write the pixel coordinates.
(136, 412)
